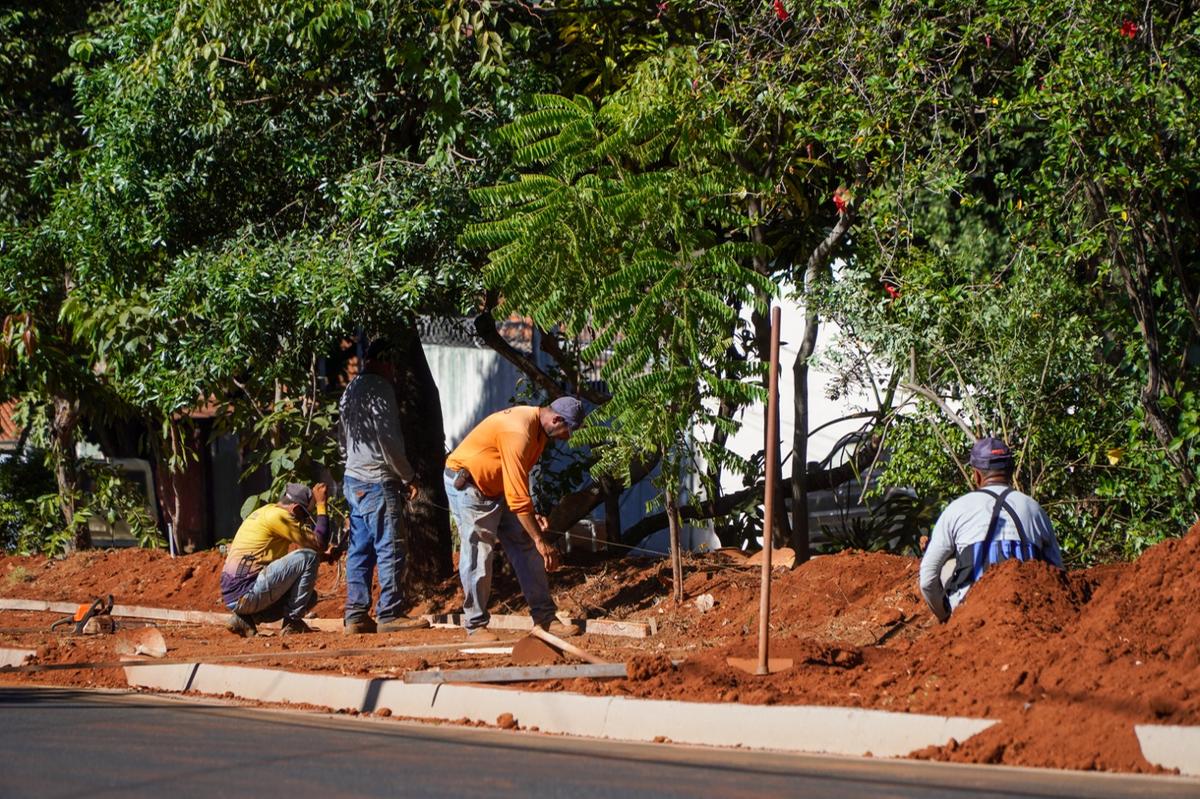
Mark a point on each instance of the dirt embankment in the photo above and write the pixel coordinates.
(1068, 662)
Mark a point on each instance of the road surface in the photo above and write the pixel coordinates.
(59, 743)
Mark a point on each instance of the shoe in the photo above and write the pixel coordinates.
(295, 627)
(482, 635)
(561, 629)
(361, 625)
(242, 626)
(401, 623)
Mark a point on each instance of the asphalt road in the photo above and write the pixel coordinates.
(66, 743)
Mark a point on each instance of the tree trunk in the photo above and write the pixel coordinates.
(612, 508)
(426, 517)
(676, 554)
(66, 468)
(799, 481)
(816, 268)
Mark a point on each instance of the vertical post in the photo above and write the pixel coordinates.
(772, 466)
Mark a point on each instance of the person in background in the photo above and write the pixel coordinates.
(993, 523)
(261, 580)
(379, 479)
(487, 484)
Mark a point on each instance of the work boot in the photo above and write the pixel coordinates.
(401, 623)
(242, 626)
(293, 626)
(482, 635)
(560, 628)
(364, 624)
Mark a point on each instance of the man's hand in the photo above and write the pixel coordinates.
(411, 488)
(320, 493)
(549, 554)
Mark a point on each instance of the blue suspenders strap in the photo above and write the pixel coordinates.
(981, 550)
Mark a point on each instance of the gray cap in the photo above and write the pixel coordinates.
(296, 494)
(570, 409)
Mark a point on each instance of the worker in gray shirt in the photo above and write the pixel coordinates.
(378, 481)
(993, 523)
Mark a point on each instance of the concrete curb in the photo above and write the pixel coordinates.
(15, 657)
(847, 731)
(832, 730)
(1171, 746)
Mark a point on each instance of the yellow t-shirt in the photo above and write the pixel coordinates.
(499, 453)
(264, 536)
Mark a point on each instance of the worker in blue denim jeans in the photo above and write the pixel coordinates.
(262, 581)
(487, 484)
(378, 481)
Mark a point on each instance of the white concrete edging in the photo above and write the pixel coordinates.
(1171, 746)
(15, 657)
(834, 730)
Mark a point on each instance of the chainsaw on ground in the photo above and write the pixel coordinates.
(90, 619)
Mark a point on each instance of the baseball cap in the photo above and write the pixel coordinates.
(570, 409)
(990, 454)
(296, 494)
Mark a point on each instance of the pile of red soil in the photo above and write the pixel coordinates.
(1067, 662)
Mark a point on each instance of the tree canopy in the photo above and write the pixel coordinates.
(199, 200)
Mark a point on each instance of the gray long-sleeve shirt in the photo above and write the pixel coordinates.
(965, 522)
(369, 431)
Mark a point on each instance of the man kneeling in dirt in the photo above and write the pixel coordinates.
(261, 580)
(993, 523)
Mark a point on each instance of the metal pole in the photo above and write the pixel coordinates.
(772, 466)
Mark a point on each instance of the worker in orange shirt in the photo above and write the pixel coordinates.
(487, 484)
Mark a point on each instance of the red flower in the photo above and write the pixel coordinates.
(1129, 29)
(987, 39)
(662, 9)
(781, 11)
(892, 291)
(842, 198)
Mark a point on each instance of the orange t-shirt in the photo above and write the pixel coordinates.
(499, 453)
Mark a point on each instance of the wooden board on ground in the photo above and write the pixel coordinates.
(500, 621)
(518, 673)
(156, 614)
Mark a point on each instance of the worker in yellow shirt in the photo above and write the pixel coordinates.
(487, 484)
(261, 580)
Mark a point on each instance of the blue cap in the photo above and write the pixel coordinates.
(570, 409)
(991, 454)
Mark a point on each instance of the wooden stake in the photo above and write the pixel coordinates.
(676, 555)
(772, 466)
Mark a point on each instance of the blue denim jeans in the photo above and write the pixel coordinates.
(377, 540)
(482, 522)
(285, 588)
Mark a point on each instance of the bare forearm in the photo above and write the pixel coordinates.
(530, 523)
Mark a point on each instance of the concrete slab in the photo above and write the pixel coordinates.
(846, 731)
(1171, 746)
(15, 657)
(834, 730)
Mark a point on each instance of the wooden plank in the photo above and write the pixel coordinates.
(251, 656)
(625, 629)
(518, 673)
(157, 614)
(500, 621)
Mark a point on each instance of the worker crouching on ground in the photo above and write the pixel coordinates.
(993, 523)
(261, 580)
(487, 483)
(379, 480)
